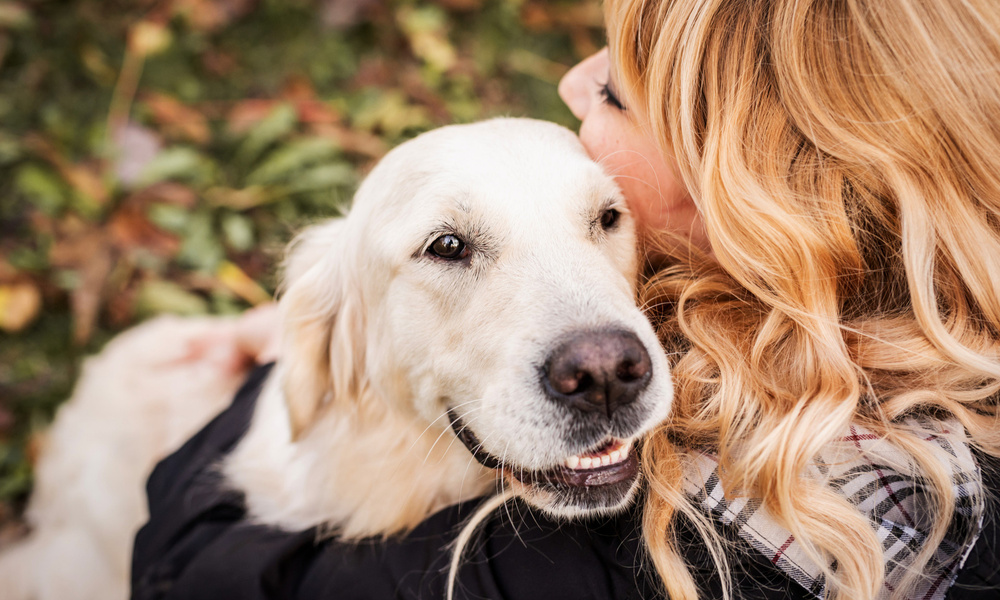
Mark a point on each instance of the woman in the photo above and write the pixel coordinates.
(819, 189)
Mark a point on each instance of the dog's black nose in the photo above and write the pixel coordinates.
(598, 370)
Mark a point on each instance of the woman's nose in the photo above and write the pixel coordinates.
(578, 85)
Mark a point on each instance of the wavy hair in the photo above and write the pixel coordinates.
(845, 157)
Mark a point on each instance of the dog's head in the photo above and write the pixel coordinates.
(484, 281)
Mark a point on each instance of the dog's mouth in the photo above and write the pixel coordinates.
(612, 463)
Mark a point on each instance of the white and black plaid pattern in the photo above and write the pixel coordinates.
(876, 477)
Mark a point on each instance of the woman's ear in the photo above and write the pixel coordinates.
(323, 346)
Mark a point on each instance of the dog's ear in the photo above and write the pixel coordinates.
(322, 352)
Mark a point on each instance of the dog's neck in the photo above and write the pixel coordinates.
(359, 471)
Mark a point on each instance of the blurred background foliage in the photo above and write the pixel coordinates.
(156, 155)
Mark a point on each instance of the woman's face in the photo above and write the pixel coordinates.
(650, 182)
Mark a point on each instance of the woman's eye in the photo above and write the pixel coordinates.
(448, 247)
(609, 97)
(609, 219)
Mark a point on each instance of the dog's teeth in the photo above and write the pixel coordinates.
(591, 462)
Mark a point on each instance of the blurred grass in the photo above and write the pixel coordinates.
(156, 155)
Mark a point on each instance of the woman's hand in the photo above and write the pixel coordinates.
(258, 334)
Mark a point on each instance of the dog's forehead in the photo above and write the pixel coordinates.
(506, 165)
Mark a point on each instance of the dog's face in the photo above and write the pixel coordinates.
(484, 281)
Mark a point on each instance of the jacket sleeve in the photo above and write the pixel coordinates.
(198, 544)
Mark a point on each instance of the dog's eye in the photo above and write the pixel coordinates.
(449, 247)
(609, 218)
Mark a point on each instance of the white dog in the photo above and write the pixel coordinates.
(481, 289)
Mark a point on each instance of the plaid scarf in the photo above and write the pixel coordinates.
(877, 478)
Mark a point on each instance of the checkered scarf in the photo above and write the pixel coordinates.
(875, 477)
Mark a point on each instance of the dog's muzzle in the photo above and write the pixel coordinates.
(576, 473)
(472, 442)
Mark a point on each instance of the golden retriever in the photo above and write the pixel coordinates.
(480, 290)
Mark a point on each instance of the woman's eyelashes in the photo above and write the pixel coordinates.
(609, 97)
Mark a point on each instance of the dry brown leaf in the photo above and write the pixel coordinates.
(85, 178)
(246, 113)
(341, 14)
(130, 229)
(316, 111)
(177, 119)
(212, 15)
(7, 271)
(166, 192)
(540, 16)
(351, 140)
(87, 251)
(218, 62)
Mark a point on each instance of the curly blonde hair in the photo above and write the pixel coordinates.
(845, 157)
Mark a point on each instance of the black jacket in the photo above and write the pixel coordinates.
(198, 545)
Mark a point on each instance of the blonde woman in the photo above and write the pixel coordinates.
(818, 184)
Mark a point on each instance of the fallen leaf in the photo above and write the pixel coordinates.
(130, 229)
(20, 304)
(218, 62)
(353, 140)
(278, 123)
(147, 38)
(177, 119)
(156, 297)
(297, 88)
(247, 113)
(391, 113)
(14, 15)
(426, 30)
(316, 111)
(235, 280)
(342, 14)
(86, 180)
(96, 63)
(248, 197)
(212, 15)
(165, 192)
(87, 253)
(42, 187)
(539, 16)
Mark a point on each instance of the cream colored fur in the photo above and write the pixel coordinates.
(138, 400)
(350, 432)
